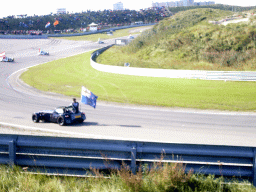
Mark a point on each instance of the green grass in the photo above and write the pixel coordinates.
(104, 36)
(67, 76)
(163, 179)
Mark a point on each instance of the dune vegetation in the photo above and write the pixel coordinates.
(192, 39)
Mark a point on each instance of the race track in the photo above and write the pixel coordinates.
(111, 121)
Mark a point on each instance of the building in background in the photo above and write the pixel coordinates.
(168, 4)
(181, 3)
(185, 3)
(118, 6)
(204, 3)
(61, 11)
(190, 2)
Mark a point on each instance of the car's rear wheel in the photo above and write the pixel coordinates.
(61, 121)
(35, 118)
(80, 121)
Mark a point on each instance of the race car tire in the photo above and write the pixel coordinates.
(61, 121)
(35, 118)
(80, 121)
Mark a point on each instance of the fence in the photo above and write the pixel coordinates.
(23, 36)
(76, 155)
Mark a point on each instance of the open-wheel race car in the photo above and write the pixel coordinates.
(43, 53)
(4, 58)
(62, 115)
(7, 59)
(100, 42)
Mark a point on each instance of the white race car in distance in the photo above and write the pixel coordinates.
(100, 42)
(43, 53)
(7, 59)
(130, 37)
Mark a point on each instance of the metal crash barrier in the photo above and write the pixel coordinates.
(63, 155)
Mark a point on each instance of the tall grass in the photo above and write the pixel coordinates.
(161, 178)
(229, 58)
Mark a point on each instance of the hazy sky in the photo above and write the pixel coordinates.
(45, 7)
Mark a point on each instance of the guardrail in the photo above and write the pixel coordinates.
(23, 36)
(76, 155)
(172, 73)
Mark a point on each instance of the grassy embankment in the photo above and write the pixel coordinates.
(66, 76)
(188, 40)
(165, 178)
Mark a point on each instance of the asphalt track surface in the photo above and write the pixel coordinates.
(108, 120)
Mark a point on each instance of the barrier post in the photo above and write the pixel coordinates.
(12, 152)
(254, 167)
(133, 158)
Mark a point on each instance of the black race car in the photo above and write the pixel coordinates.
(62, 115)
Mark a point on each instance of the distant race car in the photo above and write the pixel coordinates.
(100, 42)
(130, 37)
(62, 115)
(7, 59)
(43, 53)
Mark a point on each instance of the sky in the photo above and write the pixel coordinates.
(45, 7)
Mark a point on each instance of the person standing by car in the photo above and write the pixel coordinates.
(75, 106)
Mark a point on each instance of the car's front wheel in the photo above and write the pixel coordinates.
(35, 118)
(61, 121)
